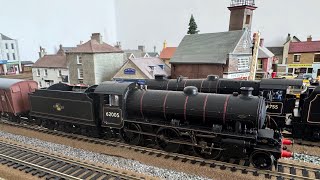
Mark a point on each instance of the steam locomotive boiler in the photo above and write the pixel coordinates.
(280, 104)
(214, 125)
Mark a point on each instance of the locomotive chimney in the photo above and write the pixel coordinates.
(246, 91)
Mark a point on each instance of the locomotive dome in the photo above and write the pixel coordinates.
(212, 77)
(190, 90)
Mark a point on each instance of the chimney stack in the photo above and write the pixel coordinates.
(261, 42)
(118, 45)
(61, 51)
(288, 37)
(97, 37)
(164, 44)
(309, 39)
(42, 52)
(141, 48)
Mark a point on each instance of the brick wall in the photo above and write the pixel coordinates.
(196, 70)
(87, 66)
(306, 58)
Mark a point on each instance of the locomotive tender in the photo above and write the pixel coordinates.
(213, 125)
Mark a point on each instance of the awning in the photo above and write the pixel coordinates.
(3, 61)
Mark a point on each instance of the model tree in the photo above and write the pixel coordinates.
(193, 28)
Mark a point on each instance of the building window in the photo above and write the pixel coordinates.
(59, 73)
(40, 84)
(243, 64)
(12, 46)
(248, 18)
(38, 72)
(45, 72)
(290, 70)
(310, 70)
(161, 66)
(80, 73)
(296, 57)
(79, 59)
(80, 81)
(8, 56)
(13, 56)
(259, 64)
(316, 58)
(7, 46)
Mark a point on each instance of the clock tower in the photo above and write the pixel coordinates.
(241, 14)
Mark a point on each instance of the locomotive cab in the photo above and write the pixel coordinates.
(280, 103)
(111, 97)
(307, 119)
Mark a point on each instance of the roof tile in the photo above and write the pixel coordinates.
(93, 46)
(168, 52)
(51, 61)
(304, 47)
(209, 48)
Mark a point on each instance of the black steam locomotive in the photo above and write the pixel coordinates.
(304, 121)
(213, 125)
(280, 104)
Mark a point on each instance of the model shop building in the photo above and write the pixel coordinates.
(10, 62)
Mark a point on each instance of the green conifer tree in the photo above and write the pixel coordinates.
(193, 28)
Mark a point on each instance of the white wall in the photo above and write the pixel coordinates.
(52, 75)
(12, 52)
(106, 65)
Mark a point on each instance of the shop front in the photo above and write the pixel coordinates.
(300, 69)
(316, 70)
(13, 67)
(3, 67)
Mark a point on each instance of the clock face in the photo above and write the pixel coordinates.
(245, 44)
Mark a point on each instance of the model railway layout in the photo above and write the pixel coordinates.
(44, 165)
(213, 125)
(282, 171)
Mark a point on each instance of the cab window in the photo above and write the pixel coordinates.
(114, 100)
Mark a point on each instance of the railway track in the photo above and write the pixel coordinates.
(283, 171)
(49, 166)
(301, 141)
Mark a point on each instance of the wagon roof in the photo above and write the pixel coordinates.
(7, 83)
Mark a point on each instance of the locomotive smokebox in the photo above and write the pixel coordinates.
(246, 91)
(190, 90)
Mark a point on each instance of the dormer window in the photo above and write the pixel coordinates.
(161, 66)
(151, 67)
